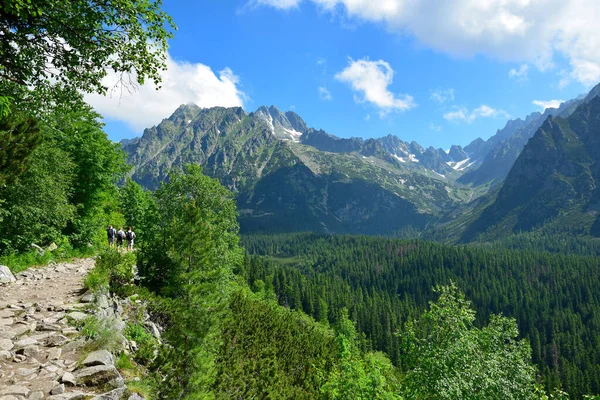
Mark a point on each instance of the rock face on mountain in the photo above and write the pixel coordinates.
(491, 160)
(288, 177)
(555, 178)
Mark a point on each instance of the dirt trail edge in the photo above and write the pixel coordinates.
(41, 355)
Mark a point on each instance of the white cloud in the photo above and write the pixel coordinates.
(483, 111)
(528, 31)
(324, 93)
(434, 127)
(442, 95)
(519, 74)
(370, 80)
(182, 83)
(547, 104)
(279, 4)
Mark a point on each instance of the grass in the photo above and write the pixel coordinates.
(20, 262)
(100, 334)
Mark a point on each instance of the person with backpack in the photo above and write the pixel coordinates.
(129, 235)
(111, 233)
(120, 237)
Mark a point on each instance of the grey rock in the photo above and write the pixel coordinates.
(60, 389)
(115, 394)
(6, 344)
(135, 396)
(77, 316)
(56, 341)
(87, 298)
(25, 342)
(69, 331)
(40, 251)
(53, 353)
(5, 355)
(37, 395)
(10, 397)
(68, 379)
(20, 329)
(70, 396)
(25, 372)
(31, 351)
(100, 357)
(6, 321)
(48, 327)
(98, 375)
(5, 275)
(73, 345)
(102, 301)
(151, 326)
(15, 390)
(8, 334)
(6, 314)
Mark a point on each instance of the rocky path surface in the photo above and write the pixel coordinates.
(41, 354)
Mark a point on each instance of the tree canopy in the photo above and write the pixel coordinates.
(49, 48)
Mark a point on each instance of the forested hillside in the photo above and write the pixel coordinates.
(384, 282)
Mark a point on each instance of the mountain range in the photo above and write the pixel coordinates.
(290, 177)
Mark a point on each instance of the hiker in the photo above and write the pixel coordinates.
(129, 235)
(111, 233)
(120, 237)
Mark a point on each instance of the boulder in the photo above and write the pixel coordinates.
(39, 250)
(100, 357)
(5, 275)
(97, 375)
(77, 316)
(68, 379)
(60, 389)
(52, 247)
(56, 341)
(87, 297)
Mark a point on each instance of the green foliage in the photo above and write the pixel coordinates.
(113, 271)
(447, 357)
(138, 208)
(36, 207)
(270, 352)
(69, 186)
(146, 343)
(82, 39)
(358, 376)
(190, 254)
(383, 282)
(19, 136)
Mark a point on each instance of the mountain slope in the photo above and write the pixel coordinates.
(288, 177)
(495, 157)
(555, 182)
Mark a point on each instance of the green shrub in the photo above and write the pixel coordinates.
(146, 343)
(113, 270)
(100, 334)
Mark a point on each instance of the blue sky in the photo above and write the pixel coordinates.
(354, 68)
